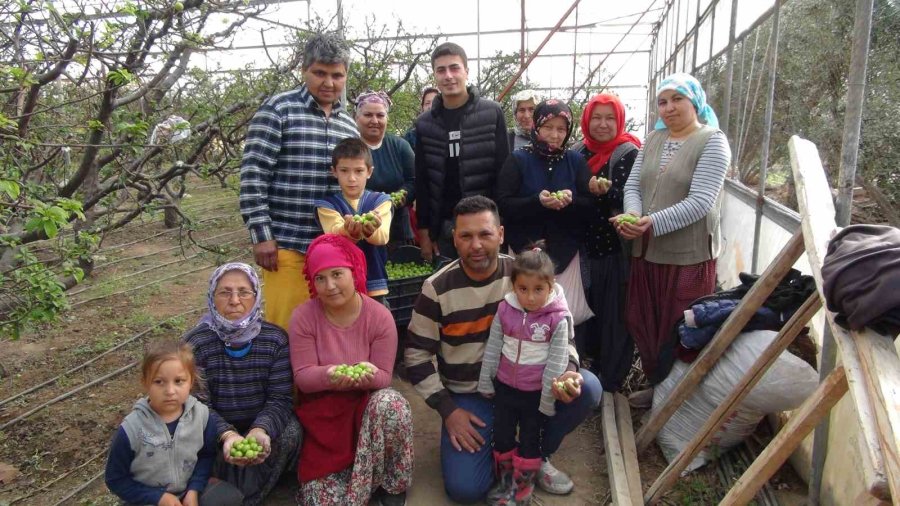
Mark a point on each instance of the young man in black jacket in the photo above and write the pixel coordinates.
(461, 146)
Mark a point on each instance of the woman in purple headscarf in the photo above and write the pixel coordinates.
(395, 170)
(245, 364)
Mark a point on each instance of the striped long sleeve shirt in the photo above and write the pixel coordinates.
(448, 331)
(253, 390)
(285, 167)
(706, 184)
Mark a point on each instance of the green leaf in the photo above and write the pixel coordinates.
(11, 188)
(57, 214)
(6, 123)
(120, 77)
(33, 224)
(50, 229)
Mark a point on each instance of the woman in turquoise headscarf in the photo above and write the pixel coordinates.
(674, 192)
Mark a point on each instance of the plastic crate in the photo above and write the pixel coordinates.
(402, 293)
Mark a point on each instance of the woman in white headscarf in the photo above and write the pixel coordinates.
(674, 194)
(524, 103)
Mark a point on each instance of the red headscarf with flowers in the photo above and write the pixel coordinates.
(603, 150)
(329, 251)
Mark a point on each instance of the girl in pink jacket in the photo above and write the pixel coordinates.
(526, 351)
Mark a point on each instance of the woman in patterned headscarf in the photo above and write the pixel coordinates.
(245, 364)
(358, 431)
(394, 161)
(539, 185)
(674, 193)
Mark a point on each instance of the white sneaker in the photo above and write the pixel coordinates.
(554, 481)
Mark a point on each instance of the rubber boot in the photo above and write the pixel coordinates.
(503, 470)
(524, 474)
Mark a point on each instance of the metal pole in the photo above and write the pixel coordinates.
(696, 41)
(651, 78)
(747, 111)
(522, 35)
(478, 43)
(856, 89)
(677, 6)
(736, 158)
(575, 50)
(664, 28)
(827, 359)
(729, 70)
(597, 68)
(767, 134)
(516, 77)
(862, 29)
(712, 38)
(340, 16)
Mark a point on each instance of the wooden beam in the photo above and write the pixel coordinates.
(723, 411)
(629, 450)
(723, 338)
(788, 438)
(881, 367)
(817, 224)
(615, 462)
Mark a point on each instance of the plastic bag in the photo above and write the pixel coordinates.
(572, 284)
(787, 383)
(172, 131)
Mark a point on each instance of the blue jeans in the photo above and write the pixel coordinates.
(469, 476)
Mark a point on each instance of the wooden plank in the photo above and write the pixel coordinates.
(615, 463)
(629, 450)
(788, 438)
(817, 223)
(723, 411)
(881, 366)
(723, 338)
(873, 467)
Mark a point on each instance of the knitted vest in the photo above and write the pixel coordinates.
(376, 256)
(697, 242)
(160, 459)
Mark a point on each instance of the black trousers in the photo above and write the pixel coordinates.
(513, 409)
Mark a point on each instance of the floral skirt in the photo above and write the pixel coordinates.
(384, 457)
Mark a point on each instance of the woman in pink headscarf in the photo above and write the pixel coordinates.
(610, 152)
(357, 431)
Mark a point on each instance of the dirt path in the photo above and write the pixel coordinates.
(579, 455)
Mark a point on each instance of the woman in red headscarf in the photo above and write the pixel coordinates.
(610, 152)
(357, 431)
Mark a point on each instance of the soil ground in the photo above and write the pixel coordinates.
(58, 450)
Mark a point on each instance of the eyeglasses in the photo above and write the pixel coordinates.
(241, 294)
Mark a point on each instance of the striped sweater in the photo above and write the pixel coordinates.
(706, 184)
(253, 390)
(449, 327)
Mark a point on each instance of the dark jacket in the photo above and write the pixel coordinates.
(860, 275)
(483, 150)
(711, 314)
(526, 220)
